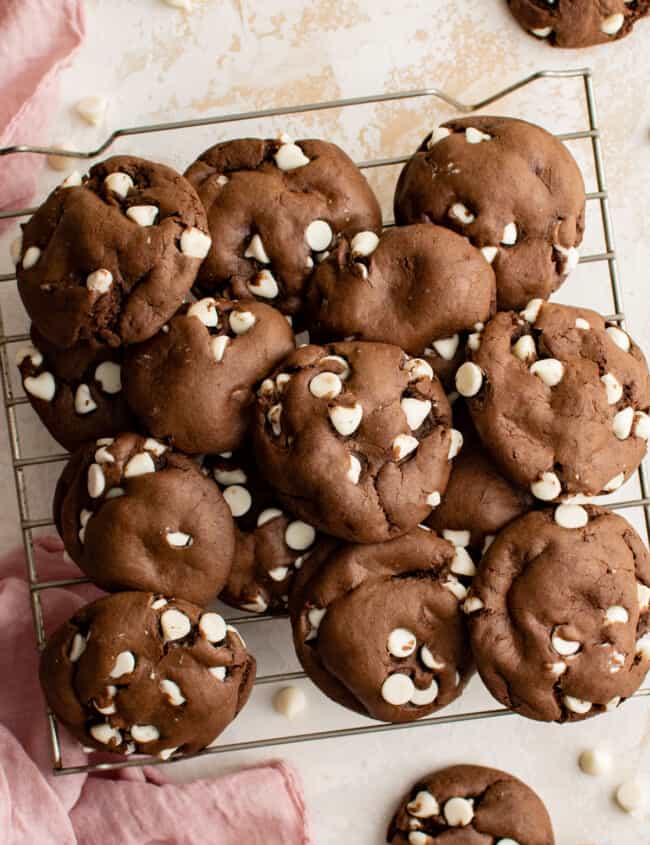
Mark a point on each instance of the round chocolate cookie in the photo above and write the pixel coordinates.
(578, 23)
(379, 627)
(111, 257)
(138, 673)
(510, 187)
(76, 392)
(193, 383)
(356, 439)
(560, 613)
(478, 501)
(133, 514)
(413, 285)
(270, 545)
(471, 805)
(275, 208)
(560, 398)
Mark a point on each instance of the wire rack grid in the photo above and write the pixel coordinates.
(13, 401)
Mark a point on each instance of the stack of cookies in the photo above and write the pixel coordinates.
(410, 485)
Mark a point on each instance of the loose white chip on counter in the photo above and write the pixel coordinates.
(446, 346)
(571, 516)
(42, 386)
(195, 243)
(119, 183)
(346, 419)
(124, 664)
(401, 642)
(630, 796)
(318, 235)
(299, 535)
(397, 689)
(92, 109)
(99, 281)
(175, 624)
(143, 215)
(549, 370)
(458, 812)
(595, 761)
(140, 464)
(213, 627)
(290, 156)
(547, 487)
(469, 379)
(241, 321)
(238, 499)
(290, 702)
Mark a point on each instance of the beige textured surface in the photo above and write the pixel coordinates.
(159, 64)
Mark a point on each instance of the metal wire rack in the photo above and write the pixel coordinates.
(13, 401)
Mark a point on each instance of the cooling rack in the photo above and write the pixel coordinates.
(13, 400)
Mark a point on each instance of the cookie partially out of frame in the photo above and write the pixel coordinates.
(560, 613)
(578, 23)
(379, 627)
(76, 392)
(111, 257)
(560, 398)
(275, 209)
(139, 673)
(510, 187)
(136, 515)
(193, 383)
(471, 805)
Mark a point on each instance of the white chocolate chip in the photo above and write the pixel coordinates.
(346, 419)
(143, 215)
(274, 416)
(401, 642)
(422, 697)
(619, 337)
(472, 605)
(108, 375)
(140, 464)
(145, 733)
(264, 285)
(290, 156)
(397, 689)
(416, 837)
(318, 235)
(418, 368)
(543, 31)
(577, 705)
(403, 445)
(206, 311)
(166, 753)
(31, 256)
(642, 425)
(531, 311)
(643, 647)
(124, 664)
(475, 136)
(325, 386)
(616, 614)
(416, 411)
(487, 542)
(175, 625)
(179, 539)
(218, 672)
(173, 694)
(566, 648)
(299, 535)
(364, 244)
(643, 594)
(42, 386)
(77, 648)
(558, 668)
(456, 443)
(315, 617)
(119, 183)
(571, 516)
(462, 563)
(455, 587)
(613, 703)
(279, 573)
(99, 281)
(524, 348)
(549, 370)
(612, 23)
(353, 472)
(469, 379)
(155, 446)
(267, 515)
(158, 603)
(241, 321)
(458, 812)
(106, 734)
(330, 359)
(509, 237)
(218, 346)
(622, 423)
(73, 180)
(570, 255)
(195, 243)
(613, 388)
(238, 499)
(490, 253)
(258, 606)
(16, 249)
(423, 806)
(289, 702)
(213, 627)
(630, 796)
(547, 487)
(438, 134)
(92, 109)
(458, 538)
(595, 762)
(96, 481)
(433, 500)
(83, 400)
(582, 324)
(460, 212)
(230, 476)
(429, 660)
(256, 250)
(446, 346)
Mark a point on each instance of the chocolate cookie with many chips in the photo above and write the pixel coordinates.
(133, 514)
(275, 209)
(510, 187)
(138, 673)
(471, 805)
(560, 613)
(412, 286)
(192, 384)
(76, 392)
(355, 438)
(578, 23)
(560, 398)
(111, 257)
(379, 628)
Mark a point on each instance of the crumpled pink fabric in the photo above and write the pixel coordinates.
(262, 805)
(37, 37)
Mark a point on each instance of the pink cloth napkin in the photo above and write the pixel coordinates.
(262, 805)
(37, 37)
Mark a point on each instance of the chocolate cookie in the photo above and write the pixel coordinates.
(275, 208)
(192, 384)
(356, 439)
(471, 805)
(578, 23)
(512, 188)
(138, 673)
(478, 501)
(379, 628)
(560, 398)
(560, 613)
(133, 514)
(270, 545)
(412, 286)
(111, 258)
(76, 392)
